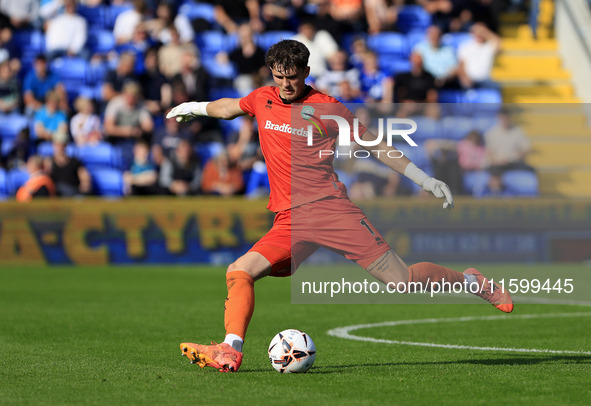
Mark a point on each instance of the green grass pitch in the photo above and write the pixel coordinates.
(110, 336)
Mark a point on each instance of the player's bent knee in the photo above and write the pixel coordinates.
(252, 263)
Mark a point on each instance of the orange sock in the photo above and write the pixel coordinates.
(239, 303)
(430, 274)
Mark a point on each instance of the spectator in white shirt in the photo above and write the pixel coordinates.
(66, 33)
(476, 56)
(22, 13)
(321, 45)
(127, 21)
(85, 126)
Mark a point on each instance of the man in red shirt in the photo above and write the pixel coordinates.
(306, 183)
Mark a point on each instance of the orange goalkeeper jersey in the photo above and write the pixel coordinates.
(298, 172)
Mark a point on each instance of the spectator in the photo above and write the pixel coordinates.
(506, 145)
(448, 15)
(49, 120)
(348, 93)
(138, 45)
(329, 82)
(126, 117)
(320, 44)
(66, 33)
(506, 148)
(85, 126)
(192, 78)
(9, 89)
(416, 86)
(382, 14)
(38, 185)
(127, 21)
(68, 174)
(471, 152)
(180, 174)
(249, 60)
(358, 50)
(222, 177)
(439, 60)
(167, 139)
(22, 14)
(157, 91)
(116, 79)
(165, 18)
(38, 82)
(170, 56)
(276, 14)
(142, 178)
(230, 14)
(477, 56)
(374, 82)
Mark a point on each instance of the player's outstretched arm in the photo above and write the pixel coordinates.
(226, 109)
(404, 166)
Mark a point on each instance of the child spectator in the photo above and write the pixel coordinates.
(85, 126)
(142, 178)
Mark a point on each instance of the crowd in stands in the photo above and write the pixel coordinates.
(85, 86)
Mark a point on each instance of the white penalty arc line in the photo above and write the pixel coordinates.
(345, 332)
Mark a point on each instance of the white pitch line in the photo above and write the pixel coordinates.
(345, 332)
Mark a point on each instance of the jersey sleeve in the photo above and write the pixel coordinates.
(248, 103)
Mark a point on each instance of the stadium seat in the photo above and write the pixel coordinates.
(266, 39)
(6, 147)
(112, 12)
(450, 96)
(392, 65)
(100, 41)
(72, 71)
(455, 39)
(94, 16)
(415, 37)
(3, 191)
(456, 128)
(491, 96)
(217, 70)
(520, 183)
(194, 11)
(208, 150)
(257, 182)
(11, 125)
(102, 154)
(212, 42)
(27, 44)
(107, 181)
(45, 149)
(427, 128)
(389, 43)
(221, 92)
(476, 183)
(15, 178)
(413, 18)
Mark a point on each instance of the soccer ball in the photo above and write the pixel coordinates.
(292, 351)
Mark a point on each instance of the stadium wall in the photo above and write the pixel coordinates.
(216, 231)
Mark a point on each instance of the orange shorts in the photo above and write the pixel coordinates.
(333, 223)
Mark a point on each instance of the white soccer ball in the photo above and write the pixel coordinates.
(292, 351)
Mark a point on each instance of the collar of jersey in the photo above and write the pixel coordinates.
(304, 94)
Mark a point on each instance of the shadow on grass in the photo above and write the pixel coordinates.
(532, 360)
(523, 360)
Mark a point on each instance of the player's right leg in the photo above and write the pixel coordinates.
(240, 277)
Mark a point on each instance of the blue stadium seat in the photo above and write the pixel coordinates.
(455, 39)
(208, 150)
(45, 149)
(450, 96)
(491, 96)
(415, 37)
(520, 183)
(27, 44)
(100, 41)
(221, 92)
(112, 12)
(266, 39)
(15, 178)
(476, 183)
(194, 11)
(3, 190)
(12, 124)
(257, 181)
(392, 65)
(107, 181)
(6, 146)
(413, 18)
(102, 154)
(94, 16)
(216, 70)
(427, 128)
(212, 42)
(483, 124)
(389, 43)
(72, 71)
(456, 128)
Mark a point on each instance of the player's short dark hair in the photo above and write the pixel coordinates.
(286, 55)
